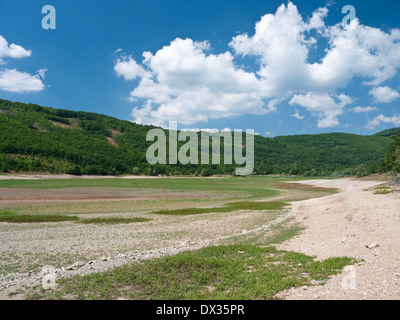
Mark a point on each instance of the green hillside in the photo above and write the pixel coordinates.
(320, 153)
(388, 132)
(42, 139)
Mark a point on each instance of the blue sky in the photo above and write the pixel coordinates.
(205, 65)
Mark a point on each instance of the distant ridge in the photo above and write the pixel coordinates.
(42, 139)
(388, 132)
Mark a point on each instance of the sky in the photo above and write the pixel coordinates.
(277, 67)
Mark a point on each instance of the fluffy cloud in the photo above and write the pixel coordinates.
(384, 94)
(280, 43)
(358, 51)
(12, 51)
(376, 122)
(13, 80)
(323, 106)
(211, 130)
(127, 68)
(297, 115)
(182, 82)
(359, 109)
(283, 42)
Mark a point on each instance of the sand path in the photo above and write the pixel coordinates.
(344, 224)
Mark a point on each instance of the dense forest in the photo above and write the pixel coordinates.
(392, 158)
(42, 139)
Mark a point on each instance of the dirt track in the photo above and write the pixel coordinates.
(344, 224)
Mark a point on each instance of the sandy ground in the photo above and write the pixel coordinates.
(98, 248)
(347, 224)
(342, 224)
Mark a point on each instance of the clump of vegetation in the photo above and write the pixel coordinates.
(257, 205)
(36, 218)
(6, 213)
(12, 217)
(112, 220)
(382, 190)
(392, 157)
(74, 169)
(216, 273)
(232, 206)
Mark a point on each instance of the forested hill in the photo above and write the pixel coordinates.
(42, 139)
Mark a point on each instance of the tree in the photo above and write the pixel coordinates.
(392, 157)
(205, 172)
(74, 169)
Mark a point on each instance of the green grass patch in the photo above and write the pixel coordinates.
(233, 272)
(260, 205)
(283, 232)
(12, 217)
(382, 190)
(6, 213)
(112, 220)
(27, 218)
(276, 234)
(229, 207)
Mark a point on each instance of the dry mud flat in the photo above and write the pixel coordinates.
(16, 197)
(356, 223)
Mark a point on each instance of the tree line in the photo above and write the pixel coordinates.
(42, 139)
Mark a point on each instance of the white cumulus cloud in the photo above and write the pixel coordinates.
(183, 81)
(297, 115)
(128, 68)
(359, 109)
(16, 81)
(323, 106)
(13, 80)
(12, 51)
(384, 94)
(358, 51)
(376, 122)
